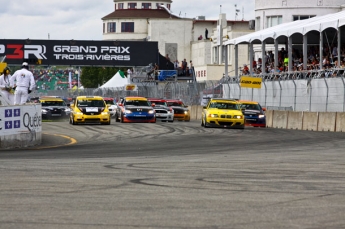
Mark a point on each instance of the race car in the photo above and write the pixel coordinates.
(53, 107)
(163, 112)
(181, 111)
(253, 113)
(111, 105)
(225, 113)
(89, 109)
(135, 109)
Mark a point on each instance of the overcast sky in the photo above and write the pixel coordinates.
(81, 19)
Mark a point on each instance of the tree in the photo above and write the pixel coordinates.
(93, 77)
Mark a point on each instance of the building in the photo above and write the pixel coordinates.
(269, 13)
(177, 36)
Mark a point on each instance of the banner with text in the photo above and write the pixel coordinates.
(251, 82)
(79, 52)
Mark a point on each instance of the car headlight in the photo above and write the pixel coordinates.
(186, 112)
(238, 116)
(67, 110)
(105, 113)
(128, 112)
(78, 113)
(261, 116)
(44, 111)
(151, 112)
(213, 115)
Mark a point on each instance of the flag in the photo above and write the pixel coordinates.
(122, 74)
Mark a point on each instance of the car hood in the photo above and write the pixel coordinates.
(252, 112)
(224, 111)
(135, 108)
(54, 107)
(181, 108)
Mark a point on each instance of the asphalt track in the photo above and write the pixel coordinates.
(173, 176)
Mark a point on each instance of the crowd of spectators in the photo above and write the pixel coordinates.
(53, 78)
(329, 61)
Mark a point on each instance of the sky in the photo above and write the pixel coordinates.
(81, 19)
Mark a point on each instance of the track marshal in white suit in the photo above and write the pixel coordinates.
(24, 82)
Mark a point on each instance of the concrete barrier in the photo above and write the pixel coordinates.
(192, 110)
(340, 122)
(326, 121)
(295, 119)
(310, 121)
(20, 126)
(269, 118)
(199, 112)
(280, 119)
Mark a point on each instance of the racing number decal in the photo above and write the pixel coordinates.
(18, 52)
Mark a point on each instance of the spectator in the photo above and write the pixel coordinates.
(191, 68)
(245, 70)
(176, 64)
(184, 66)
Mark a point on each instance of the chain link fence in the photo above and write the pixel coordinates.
(298, 91)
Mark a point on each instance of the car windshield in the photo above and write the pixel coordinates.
(111, 102)
(223, 105)
(53, 103)
(175, 104)
(137, 103)
(251, 106)
(159, 103)
(90, 103)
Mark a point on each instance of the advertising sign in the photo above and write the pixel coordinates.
(251, 82)
(20, 119)
(79, 52)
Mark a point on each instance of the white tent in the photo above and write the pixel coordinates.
(115, 81)
(318, 24)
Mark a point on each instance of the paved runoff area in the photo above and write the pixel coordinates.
(173, 176)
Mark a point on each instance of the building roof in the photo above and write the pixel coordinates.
(318, 24)
(139, 13)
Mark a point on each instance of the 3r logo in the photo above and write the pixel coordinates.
(19, 51)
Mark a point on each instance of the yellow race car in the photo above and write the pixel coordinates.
(89, 109)
(225, 113)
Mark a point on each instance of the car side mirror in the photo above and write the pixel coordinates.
(185, 106)
(264, 108)
(120, 105)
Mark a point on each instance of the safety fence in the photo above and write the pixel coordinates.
(320, 91)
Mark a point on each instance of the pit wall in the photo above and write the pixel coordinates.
(297, 120)
(20, 126)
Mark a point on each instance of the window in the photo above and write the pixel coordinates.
(224, 52)
(257, 24)
(127, 27)
(302, 17)
(103, 27)
(215, 55)
(168, 5)
(146, 5)
(158, 5)
(120, 6)
(274, 20)
(111, 28)
(132, 5)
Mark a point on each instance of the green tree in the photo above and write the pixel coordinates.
(92, 77)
